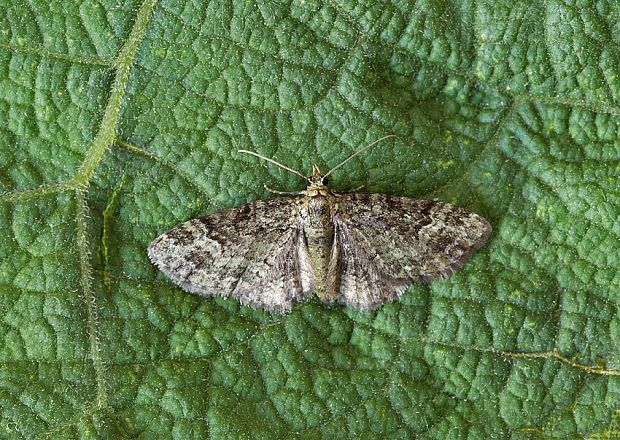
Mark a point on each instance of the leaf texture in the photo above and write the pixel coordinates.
(118, 120)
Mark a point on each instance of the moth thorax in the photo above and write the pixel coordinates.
(319, 213)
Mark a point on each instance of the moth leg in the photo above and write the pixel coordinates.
(284, 193)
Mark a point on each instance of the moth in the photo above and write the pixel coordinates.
(359, 249)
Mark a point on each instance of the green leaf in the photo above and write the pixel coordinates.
(121, 119)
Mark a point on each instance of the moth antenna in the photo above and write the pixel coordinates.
(275, 163)
(372, 144)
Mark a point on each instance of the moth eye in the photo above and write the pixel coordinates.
(325, 181)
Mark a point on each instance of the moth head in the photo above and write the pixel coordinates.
(316, 180)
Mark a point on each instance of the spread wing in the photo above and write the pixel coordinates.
(386, 243)
(255, 253)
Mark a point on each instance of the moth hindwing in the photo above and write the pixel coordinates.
(359, 249)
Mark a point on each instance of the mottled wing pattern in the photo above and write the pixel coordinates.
(255, 253)
(386, 243)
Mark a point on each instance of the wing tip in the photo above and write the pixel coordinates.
(152, 251)
(486, 233)
(477, 243)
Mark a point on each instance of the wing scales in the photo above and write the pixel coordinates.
(254, 253)
(387, 243)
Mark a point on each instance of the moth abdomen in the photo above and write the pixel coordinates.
(319, 232)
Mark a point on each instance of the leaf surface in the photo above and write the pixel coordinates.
(121, 119)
